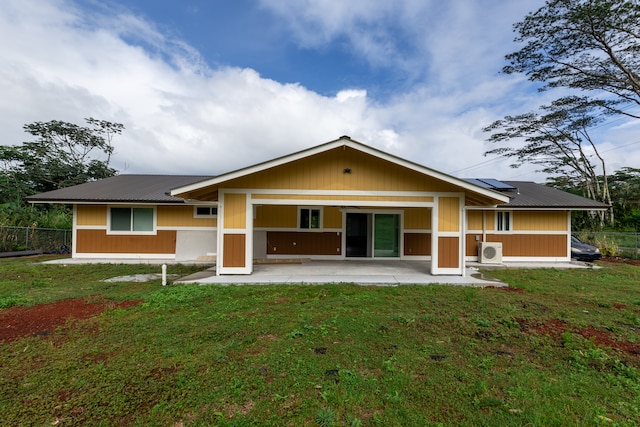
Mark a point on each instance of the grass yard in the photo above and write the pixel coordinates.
(562, 349)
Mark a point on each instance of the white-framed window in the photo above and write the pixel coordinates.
(205, 211)
(132, 220)
(503, 221)
(310, 218)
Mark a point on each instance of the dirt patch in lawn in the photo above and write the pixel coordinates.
(555, 328)
(43, 319)
(619, 260)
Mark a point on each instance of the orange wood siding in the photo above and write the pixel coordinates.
(417, 219)
(303, 243)
(234, 250)
(539, 245)
(98, 241)
(474, 220)
(182, 216)
(325, 171)
(235, 211)
(449, 214)
(277, 216)
(540, 221)
(417, 244)
(91, 215)
(448, 252)
(472, 244)
(332, 217)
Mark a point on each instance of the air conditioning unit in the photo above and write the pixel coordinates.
(490, 252)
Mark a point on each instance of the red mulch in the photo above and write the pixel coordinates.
(42, 319)
(555, 328)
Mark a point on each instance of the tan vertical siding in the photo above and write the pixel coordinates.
(276, 216)
(91, 215)
(491, 221)
(326, 171)
(98, 241)
(417, 244)
(540, 221)
(449, 214)
(417, 219)
(182, 216)
(235, 211)
(332, 217)
(234, 250)
(448, 252)
(474, 220)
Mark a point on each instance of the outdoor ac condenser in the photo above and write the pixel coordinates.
(490, 252)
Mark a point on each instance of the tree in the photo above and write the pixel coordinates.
(63, 154)
(589, 45)
(558, 140)
(592, 46)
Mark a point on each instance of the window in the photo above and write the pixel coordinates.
(132, 220)
(310, 218)
(205, 211)
(503, 221)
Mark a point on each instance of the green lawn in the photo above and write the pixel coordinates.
(331, 355)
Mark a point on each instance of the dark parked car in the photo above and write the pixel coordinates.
(584, 251)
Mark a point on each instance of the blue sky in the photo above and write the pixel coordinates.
(209, 86)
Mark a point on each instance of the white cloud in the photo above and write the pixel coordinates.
(63, 62)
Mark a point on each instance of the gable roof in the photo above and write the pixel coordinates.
(531, 195)
(343, 141)
(121, 189)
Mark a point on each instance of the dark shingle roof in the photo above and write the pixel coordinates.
(122, 188)
(531, 195)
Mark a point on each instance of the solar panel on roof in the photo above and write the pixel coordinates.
(490, 184)
(497, 185)
(477, 182)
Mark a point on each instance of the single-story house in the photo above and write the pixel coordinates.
(337, 200)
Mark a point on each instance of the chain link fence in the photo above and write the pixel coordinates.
(622, 244)
(47, 240)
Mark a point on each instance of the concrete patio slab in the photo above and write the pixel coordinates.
(377, 273)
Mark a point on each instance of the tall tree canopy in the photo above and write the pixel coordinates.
(62, 155)
(591, 46)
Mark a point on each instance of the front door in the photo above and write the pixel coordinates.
(374, 235)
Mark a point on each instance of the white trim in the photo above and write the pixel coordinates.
(417, 231)
(532, 208)
(185, 228)
(341, 142)
(331, 202)
(306, 192)
(299, 230)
